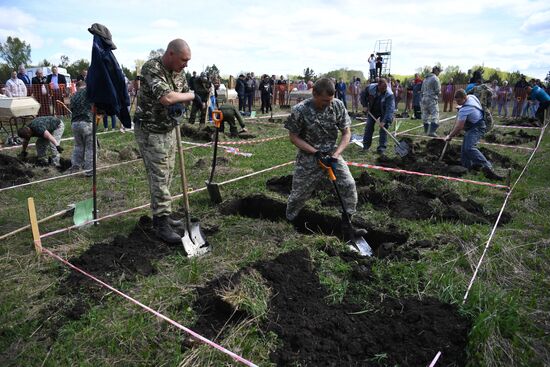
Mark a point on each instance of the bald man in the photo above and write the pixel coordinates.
(163, 84)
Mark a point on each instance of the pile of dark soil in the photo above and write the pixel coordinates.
(122, 259)
(424, 157)
(13, 171)
(407, 198)
(193, 132)
(509, 137)
(405, 332)
(413, 199)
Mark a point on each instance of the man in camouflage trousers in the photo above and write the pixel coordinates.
(48, 130)
(230, 114)
(81, 124)
(163, 86)
(431, 89)
(313, 127)
(202, 89)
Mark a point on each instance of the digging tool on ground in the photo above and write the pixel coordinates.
(443, 152)
(358, 243)
(213, 188)
(401, 147)
(194, 242)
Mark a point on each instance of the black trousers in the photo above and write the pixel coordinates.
(266, 102)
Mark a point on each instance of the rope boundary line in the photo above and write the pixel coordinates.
(493, 230)
(197, 336)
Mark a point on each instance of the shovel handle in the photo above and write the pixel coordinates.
(217, 117)
(444, 150)
(329, 170)
(384, 128)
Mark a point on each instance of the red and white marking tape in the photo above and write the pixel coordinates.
(236, 151)
(482, 143)
(398, 170)
(195, 335)
(436, 358)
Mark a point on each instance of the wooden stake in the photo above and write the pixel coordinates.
(34, 226)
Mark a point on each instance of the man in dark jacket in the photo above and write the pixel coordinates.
(202, 88)
(382, 106)
(266, 92)
(240, 88)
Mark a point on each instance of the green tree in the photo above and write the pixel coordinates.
(64, 61)
(5, 73)
(156, 53)
(128, 73)
(309, 74)
(345, 74)
(212, 71)
(76, 67)
(514, 77)
(44, 63)
(15, 52)
(453, 71)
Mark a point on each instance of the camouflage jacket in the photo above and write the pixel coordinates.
(431, 87)
(484, 93)
(318, 128)
(156, 82)
(81, 107)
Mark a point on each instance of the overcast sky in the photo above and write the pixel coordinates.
(282, 36)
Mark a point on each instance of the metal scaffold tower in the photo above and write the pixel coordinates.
(383, 48)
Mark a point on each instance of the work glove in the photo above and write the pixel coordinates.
(197, 102)
(325, 158)
(59, 148)
(176, 109)
(23, 154)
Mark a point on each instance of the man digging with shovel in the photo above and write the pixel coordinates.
(163, 86)
(313, 127)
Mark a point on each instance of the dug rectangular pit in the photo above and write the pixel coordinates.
(308, 221)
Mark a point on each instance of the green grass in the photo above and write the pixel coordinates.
(508, 304)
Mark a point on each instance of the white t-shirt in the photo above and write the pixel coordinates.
(16, 88)
(372, 62)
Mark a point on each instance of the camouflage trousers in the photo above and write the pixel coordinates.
(159, 155)
(42, 145)
(430, 114)
(307, 175)
(83, 145)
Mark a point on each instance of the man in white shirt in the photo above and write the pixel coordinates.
(15, 86)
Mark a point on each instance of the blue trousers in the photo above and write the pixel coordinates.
(106, 121)
(369, 130)
(470, 155)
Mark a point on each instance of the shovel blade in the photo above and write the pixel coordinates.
(194, 241)
(364, 248)
(402, 149)
(214, 192)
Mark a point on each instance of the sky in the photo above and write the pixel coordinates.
(284, 36)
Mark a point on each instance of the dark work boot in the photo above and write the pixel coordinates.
(349, 230)
(426, 127)
(164, 231)
(175, 223)
(491, 174)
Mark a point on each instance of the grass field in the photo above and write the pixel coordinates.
(508, 306)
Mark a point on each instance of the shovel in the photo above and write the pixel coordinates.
(401, 147)
(194, 241)
(443, 152)
(213, 188)
(357, 243)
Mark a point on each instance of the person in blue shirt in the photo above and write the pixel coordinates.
(471, 119)
(382, 106)
(341, 92)
(536, 93)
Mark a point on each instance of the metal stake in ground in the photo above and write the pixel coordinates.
(360, 244)
(194, 242)
(214, 189)
(94, 163)
(401, 147)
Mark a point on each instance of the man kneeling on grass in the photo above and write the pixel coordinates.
(48, 130)
(471, 120)
(313, 127)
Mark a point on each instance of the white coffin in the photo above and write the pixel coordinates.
(18, 106)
